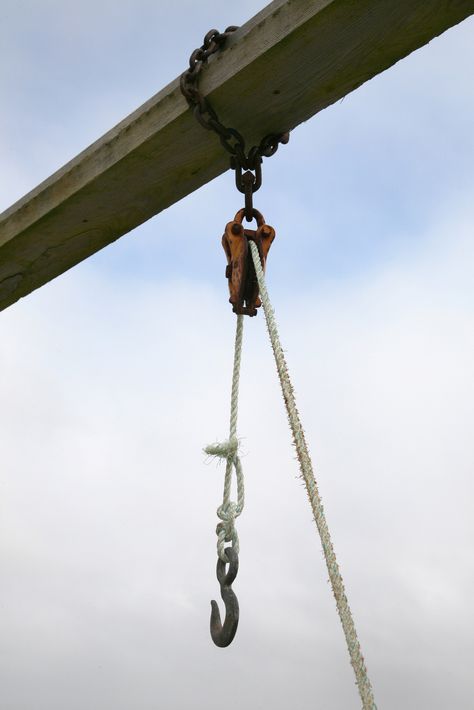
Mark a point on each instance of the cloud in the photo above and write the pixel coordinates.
(115, 375)
(111, 389)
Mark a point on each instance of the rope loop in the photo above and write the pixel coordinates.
(229, 510)
(226, 532)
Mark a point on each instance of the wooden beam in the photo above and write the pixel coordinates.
(293, 59)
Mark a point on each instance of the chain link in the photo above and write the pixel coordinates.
(232, 141)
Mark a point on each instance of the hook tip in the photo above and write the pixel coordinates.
(216, 623)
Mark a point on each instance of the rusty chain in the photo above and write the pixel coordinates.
(232, 141)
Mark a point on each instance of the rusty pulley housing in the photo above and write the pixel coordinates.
(240, 271)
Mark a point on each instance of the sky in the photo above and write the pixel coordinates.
(115, 376)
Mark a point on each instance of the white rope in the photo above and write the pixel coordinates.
(229, 510)
(306, 467)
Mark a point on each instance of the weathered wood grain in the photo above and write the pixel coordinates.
(290, 61)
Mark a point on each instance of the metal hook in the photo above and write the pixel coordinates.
(223, 634)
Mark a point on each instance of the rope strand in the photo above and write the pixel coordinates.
(306, 467)
(229, 510)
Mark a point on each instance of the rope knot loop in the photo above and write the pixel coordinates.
(226, 532)
(229, 510)
(223, 449)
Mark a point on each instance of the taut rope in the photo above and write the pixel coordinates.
(306, 468)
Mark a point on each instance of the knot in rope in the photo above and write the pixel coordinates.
(223, 449)
(227, 512)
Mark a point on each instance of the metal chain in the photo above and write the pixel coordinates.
(232, 141)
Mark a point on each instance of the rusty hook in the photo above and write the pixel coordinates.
(223, 634)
